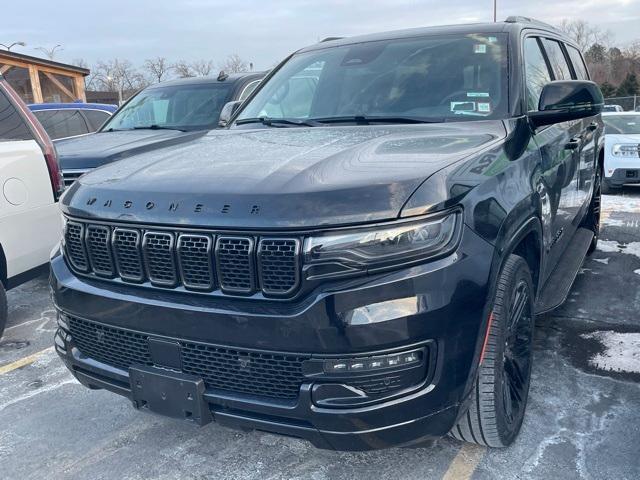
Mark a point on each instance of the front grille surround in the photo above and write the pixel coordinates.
(208, 262)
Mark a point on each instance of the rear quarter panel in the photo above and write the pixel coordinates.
(30, 222)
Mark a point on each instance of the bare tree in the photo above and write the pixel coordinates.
(50, 52)
(585, 34)
(117, 76)
(234, 64)
(202, 68)
(183, 69)
(158, 68)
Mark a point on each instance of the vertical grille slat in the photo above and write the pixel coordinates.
(74, 244)
(279, 265)
(126, 248)
(235, 264)
(98, 241)
(196, 261)
(158, 249)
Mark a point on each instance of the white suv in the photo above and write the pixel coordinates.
(30, 185)
(621, 150)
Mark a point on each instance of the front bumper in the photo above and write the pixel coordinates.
(623, 176)
(439, 304)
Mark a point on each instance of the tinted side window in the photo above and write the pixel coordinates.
(248, 90)
(62, 123)
(557, 59)
(95, 118)
(578, 63)
(12, 125)
(536, 72)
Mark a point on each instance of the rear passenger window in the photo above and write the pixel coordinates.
(12, 125)
(62, 123)
(536, 72)
(578, 63)
(95, 118)
(557, 59)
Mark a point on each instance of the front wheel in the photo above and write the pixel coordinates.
(592, 218)
(3, 309)
(499, 397)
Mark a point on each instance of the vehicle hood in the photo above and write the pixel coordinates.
(279, 178)
(97, 149)
(614, 138)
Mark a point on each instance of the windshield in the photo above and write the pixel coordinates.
(436, 77)
(183, 107)
(622, 124)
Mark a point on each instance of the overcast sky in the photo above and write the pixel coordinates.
(262, 31)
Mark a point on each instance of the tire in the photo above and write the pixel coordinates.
(4, 313)
(592, 218)
(500, 393)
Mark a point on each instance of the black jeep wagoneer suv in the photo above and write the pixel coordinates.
(359, 258)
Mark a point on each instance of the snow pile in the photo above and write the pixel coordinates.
(621, 351)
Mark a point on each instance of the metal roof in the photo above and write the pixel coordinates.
(42, 61)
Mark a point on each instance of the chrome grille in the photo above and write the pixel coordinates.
(98, 238)
(198, 261)
(71, 176)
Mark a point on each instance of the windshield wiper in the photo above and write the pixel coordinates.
(367, 119)
(278, 122)
(158, 127)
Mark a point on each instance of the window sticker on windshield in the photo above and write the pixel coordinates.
(478, 94)
(463, 106)
(492, 39)
(484, 107)
(479, 48)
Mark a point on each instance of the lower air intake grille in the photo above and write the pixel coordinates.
(119, 348)
(278, 263)
(250, 372)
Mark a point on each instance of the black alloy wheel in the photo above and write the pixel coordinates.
(499, 397)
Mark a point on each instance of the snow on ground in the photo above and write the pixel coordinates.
(631, 248)
(621, 351)
(620, 203)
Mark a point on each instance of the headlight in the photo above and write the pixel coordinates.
(372, 249)
(626, 150)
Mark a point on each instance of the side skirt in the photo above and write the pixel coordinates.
(557, 287)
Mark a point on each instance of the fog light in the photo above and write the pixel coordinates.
(368, 364)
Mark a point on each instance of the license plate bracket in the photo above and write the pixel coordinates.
(172, 394)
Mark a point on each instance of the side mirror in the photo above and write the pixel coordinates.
(229, 109)
(565, 100)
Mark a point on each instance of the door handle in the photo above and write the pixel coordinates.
(592, 126)
(573, 144)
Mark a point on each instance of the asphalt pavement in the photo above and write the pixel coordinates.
(582, 422)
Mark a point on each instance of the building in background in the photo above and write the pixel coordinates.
(38, 80)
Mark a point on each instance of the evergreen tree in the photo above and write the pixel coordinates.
(629, 86)
(608, 90)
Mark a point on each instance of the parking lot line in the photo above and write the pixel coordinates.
(465, 462)
(23, 361)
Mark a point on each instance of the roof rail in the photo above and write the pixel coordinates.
(329, 39)
(533, 21)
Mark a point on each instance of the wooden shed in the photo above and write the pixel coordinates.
(38, 80)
